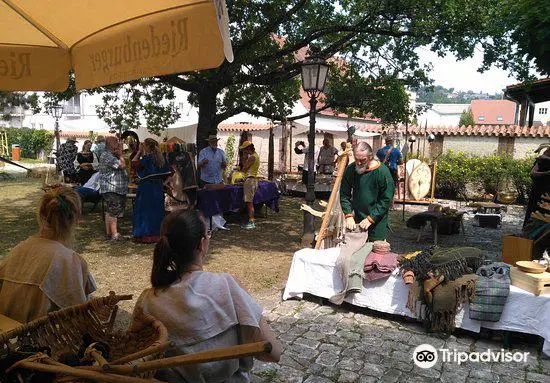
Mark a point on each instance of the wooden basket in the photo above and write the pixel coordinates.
(62, 331)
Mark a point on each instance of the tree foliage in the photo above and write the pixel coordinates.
(467, 118)
(31, 141)
(125, 106)
(523, 37)
(9, 101)
(372, 46)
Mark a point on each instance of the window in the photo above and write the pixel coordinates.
(481, 118)
(543, 110)
(41, 126)
(73, 105)
(33, 125)
(499, 118)
(180, 107)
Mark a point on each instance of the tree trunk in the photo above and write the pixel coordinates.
(283, 147)
(271, 155)
(207, 117)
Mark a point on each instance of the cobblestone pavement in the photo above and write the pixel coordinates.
(325, 343)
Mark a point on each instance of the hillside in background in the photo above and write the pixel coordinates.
(441, 95)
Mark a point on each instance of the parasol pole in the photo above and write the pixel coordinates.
(405, 178)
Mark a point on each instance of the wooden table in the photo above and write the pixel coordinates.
(435, 219)
(7, 324)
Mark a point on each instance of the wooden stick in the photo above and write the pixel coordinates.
(142, 353)
(312, 211)
(233, 352)
(342, 164)
(433, 181)
(93, 375)
(96, 355)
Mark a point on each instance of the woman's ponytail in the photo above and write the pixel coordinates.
(165, 269)
(181, 235)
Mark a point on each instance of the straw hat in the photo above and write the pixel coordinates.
(245, 145)
(212, 137)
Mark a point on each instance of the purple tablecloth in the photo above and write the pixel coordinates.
(216, 201)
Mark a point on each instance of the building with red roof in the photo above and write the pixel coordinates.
(493, 112)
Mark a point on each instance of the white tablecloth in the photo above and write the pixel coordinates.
(312, 271)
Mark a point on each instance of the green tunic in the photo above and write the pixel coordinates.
(368, 195)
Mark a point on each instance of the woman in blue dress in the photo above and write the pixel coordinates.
(149, 164)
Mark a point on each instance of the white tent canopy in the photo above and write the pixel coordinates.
(187, 133)
(339, 128)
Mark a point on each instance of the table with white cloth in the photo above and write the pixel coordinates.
(313, 272)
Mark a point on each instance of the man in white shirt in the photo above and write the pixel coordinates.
(211, 162)
(305, 150)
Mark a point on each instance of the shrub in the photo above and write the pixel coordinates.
(32, 141)
(520, 177)
(453, 174)
(494, 173)
(230, 150)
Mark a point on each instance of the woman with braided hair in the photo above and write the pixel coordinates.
(201, 310)
(43, 273)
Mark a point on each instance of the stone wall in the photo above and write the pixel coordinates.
(480, 145)
(524, 146)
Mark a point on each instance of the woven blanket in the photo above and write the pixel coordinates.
(492, 289)
(450, 263)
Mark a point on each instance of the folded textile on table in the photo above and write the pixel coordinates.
(492, 289)
(451, 263)
(444, 280)
(380, 263)
(448, 298)
(349, 265)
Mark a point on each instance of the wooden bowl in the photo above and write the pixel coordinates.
(531, 267)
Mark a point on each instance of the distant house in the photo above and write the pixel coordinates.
(493, 112)
(542, 113)
(442, 115)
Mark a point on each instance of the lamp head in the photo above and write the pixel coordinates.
(56, 111)
(314, 75)
(412, 138)
(431, 137)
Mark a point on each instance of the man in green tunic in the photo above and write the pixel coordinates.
(366, 193)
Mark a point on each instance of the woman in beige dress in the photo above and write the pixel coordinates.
(201, 310)
(43, 273)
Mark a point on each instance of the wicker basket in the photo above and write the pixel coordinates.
(62, 331)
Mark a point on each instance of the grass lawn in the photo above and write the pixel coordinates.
(260, 259)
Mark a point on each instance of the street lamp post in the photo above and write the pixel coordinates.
(314, 77)
(57, 111)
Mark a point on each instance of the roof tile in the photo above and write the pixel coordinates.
(477, 130)
(241, 127)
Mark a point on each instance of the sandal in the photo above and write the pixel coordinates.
(118, 238)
